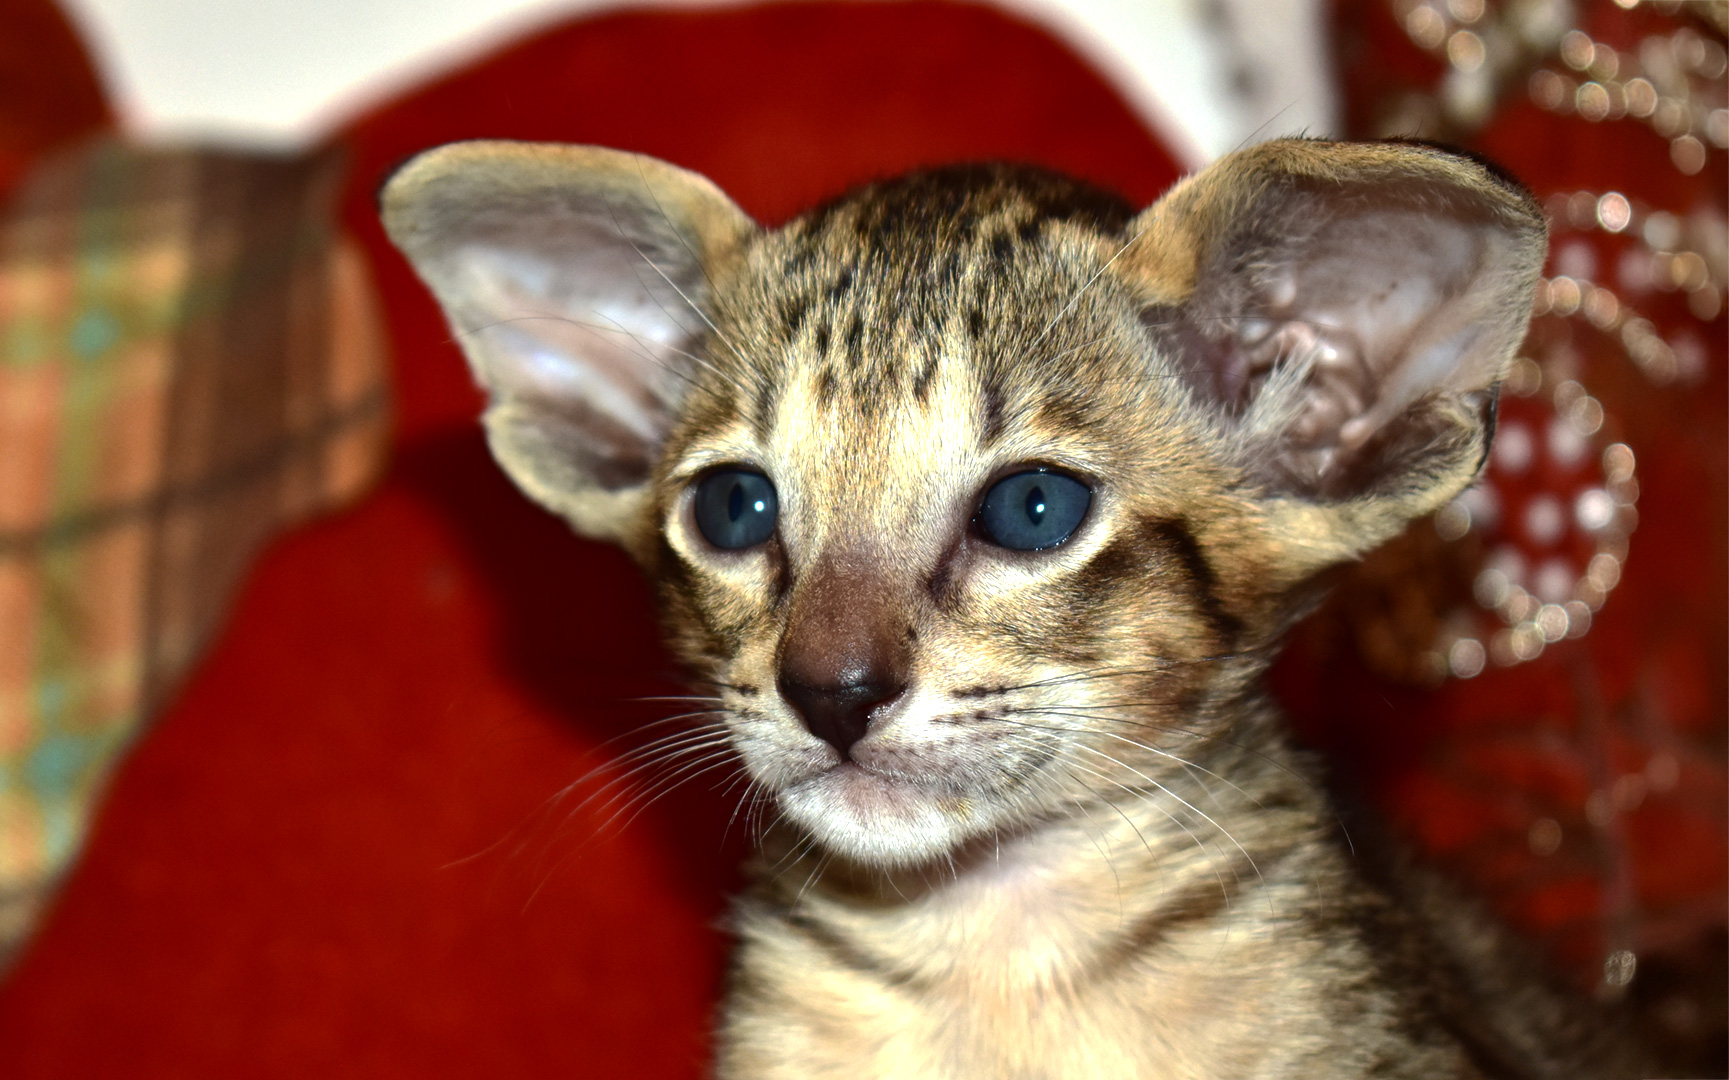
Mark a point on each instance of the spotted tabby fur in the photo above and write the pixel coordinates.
(1068, 836)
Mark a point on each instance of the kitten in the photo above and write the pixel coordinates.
(982, 501)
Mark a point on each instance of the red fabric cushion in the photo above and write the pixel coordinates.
(347, 849)
(49, 94)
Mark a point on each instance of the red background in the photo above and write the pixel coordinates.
(350, 846)
(342, 851)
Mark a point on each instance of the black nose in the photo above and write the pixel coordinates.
(838, 715)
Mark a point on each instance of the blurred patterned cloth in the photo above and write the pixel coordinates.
(1532, 685)
(190, 359)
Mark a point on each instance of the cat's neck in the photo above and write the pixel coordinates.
(1059, 903)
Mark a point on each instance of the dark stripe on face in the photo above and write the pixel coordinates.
(992, 420)
(842, 284)
(764, 407)
(1174, 536)
(679, 598)
(792, 315)
(927, 374)
(854, 340)
(1064, 413)
(801, 254)
(1115, 566)
(940, 580)
(949, 274)
(782, 571)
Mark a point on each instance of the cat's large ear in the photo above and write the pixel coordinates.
(576, 280)
(1343, 314)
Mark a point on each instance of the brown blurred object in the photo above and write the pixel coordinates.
(191, 359)
(49, 91)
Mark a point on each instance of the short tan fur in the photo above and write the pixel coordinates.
(1035, 817)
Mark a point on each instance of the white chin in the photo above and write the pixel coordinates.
(876, 820)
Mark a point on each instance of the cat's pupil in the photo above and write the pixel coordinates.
(1036, 505)
(735, 502)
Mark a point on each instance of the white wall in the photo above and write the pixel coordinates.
(280, 72)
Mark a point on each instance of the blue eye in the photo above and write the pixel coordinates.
(735, 509)
(1032, 511)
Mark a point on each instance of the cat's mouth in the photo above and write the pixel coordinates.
(863, 787)
(871, 790)
(877, 816)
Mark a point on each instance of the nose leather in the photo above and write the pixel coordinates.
(839, 715)
(843, 655)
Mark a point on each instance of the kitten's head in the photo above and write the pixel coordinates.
(977, 492)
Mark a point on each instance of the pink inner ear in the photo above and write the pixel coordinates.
(1325, 338)
(577, 313)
